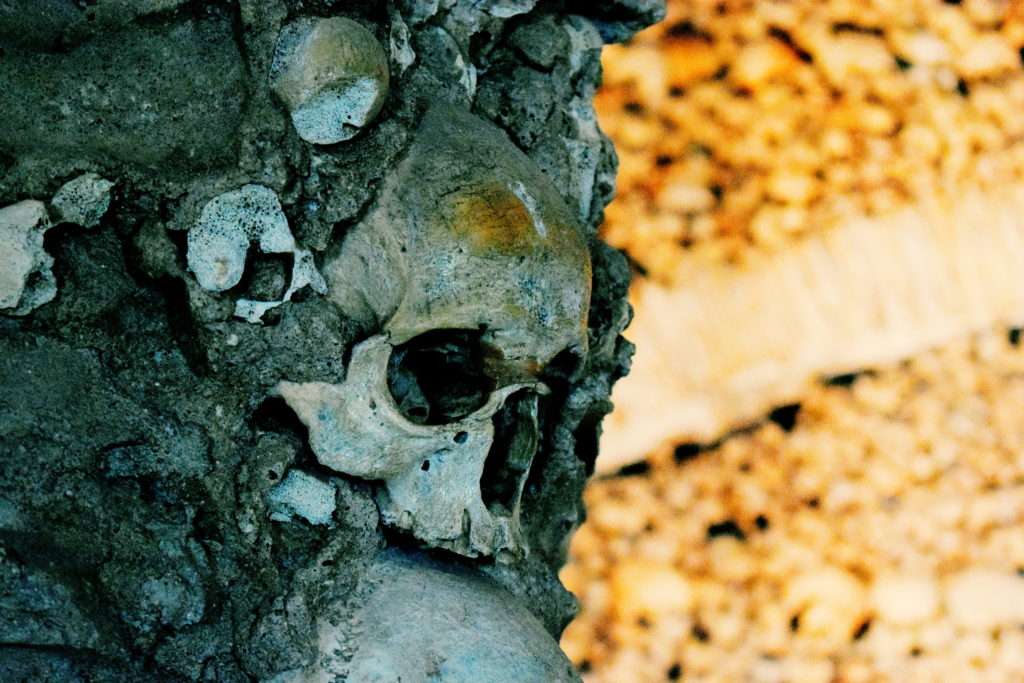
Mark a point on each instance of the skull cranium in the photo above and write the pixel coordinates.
(474, 275)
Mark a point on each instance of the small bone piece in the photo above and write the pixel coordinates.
(23, 259)
(332, 75)
(302, 495)
(219, 242)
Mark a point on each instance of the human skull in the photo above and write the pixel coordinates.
(473, 276)
(425, 620)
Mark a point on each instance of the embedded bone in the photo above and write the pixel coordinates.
(468, 235)
(401, 51)
(425, 620)
(431, 473)
(302, 495)
(219, 242)
(23, 259)
(332, 75)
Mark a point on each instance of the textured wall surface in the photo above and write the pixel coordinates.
(176, 180)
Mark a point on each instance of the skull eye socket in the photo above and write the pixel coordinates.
(439, 376)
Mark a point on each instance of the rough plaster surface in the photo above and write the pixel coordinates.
(147, 527)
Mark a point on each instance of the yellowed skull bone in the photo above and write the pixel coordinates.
(467, 234)
(355, 427)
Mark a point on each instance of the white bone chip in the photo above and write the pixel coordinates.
(26, 281)
(302, 495)
(219, 242)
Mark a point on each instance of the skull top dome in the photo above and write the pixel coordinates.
(469, 234)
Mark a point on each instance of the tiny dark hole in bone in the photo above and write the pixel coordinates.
(425, 466)
(688, 30)
(461, 437)
(439, 376)
(634, 108)
(844, 380)
(515, 444)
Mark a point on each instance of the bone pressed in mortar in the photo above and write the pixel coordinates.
(176, 180)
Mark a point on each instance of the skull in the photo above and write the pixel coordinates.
(472, 276)
(424, 620)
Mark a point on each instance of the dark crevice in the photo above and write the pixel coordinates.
(181, 324)
(726, 528)
(687, 29)
(862, 629)
(266, 276)
(515, 444)
(685, 452)
(636, 469)
(849, 27)
(844, 380)
(273, 414)
(784, 36)
(785, 416)
(587, 436)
